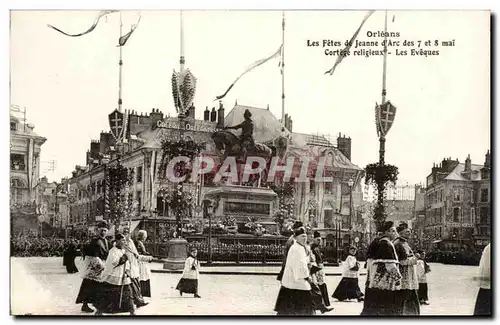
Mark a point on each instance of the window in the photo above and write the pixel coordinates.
(17, 162)
(138, 199)
(328, 187)
(456, 195)
(456, 214)
(442, 196)
(484, 195)
(139, 174)
(17, 191)
(13, 126)
(161, 206)
(312, 186)
(328, 218)
(473, 215)
(484, 215)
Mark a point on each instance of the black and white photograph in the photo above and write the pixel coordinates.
(188, 162)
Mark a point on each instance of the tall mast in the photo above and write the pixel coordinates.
(384, 90)
(283, 70)
(182, 61)
(120, 65)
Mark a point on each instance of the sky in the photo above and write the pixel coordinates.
(70, 85)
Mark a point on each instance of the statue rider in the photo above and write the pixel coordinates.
(246, 138)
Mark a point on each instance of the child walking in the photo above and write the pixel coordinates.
(348, 287)
(422, 270)
(189, 281)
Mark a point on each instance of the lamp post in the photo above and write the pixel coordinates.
(350, 183)
(206, 213)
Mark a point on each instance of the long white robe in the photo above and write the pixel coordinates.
(485, 269)
(134, 262)
(296, 269)
(191, 269)
(349, 263)
(112, 273)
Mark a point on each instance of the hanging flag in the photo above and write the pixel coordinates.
(253, 66)
(348, 47)
(94, 25)
(123, 40)
(386, 114)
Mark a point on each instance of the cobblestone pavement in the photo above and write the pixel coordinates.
(41, 286)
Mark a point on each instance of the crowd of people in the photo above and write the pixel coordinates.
(30, 244)
(396, 282)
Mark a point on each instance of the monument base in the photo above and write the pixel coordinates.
(177, 254)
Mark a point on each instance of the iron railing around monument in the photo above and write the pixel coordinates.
(227, 253)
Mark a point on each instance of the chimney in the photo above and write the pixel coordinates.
(344, 145)
(285, 122)
(206, 114)
(290, 122)
(468, 166)
(213, 115)
(156, 116)
(220, 116)
(192, 111)
(487, 160)
(104, 142)
(95, 147)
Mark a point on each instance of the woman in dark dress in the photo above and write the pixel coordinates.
(70, 253)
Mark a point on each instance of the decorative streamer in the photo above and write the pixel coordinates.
(91, 28)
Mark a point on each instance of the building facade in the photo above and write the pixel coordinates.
(315, 203)
(457, 204)
(25, 148)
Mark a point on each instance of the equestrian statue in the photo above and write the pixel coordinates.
(242, 146)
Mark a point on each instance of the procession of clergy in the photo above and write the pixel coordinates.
(393, 274)
(116, 277)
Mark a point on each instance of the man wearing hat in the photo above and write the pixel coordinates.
(410, 304)
(381, 296)
(289, 244)
(246, 137)
(320, 274)
(95, 255)
(294, 297)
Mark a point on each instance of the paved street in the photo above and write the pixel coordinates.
(41, 286)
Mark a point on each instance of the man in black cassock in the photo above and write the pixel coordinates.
(384, 277)
(95, 255)
(410, 304)
(69, 255)
(320, 274)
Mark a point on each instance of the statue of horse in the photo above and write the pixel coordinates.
(227, 141)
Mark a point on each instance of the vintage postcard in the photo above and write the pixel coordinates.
(250, 163)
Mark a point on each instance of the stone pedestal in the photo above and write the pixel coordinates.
(177, 254)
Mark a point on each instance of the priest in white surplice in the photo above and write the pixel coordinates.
(295, 297)
(135, 258)
(115, 294)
